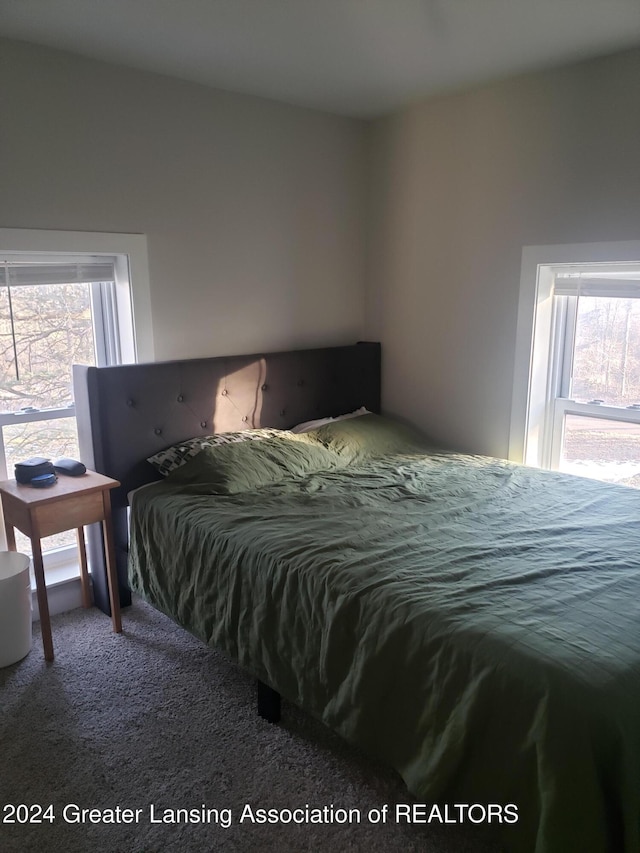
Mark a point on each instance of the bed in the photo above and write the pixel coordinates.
(473, 623)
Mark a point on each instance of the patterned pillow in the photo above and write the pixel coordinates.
(173, 457)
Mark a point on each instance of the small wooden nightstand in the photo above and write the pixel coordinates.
(71, 503)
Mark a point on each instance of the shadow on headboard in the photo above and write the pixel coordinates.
(127, 413)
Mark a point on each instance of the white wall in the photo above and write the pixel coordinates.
(459, 185)
(253, 210)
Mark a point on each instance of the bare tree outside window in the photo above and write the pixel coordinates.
(52, 329)
(44, 330)
(606, 371)
(607, 351)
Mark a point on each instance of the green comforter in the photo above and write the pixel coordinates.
(473, 623)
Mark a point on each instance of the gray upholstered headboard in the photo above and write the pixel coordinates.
(129, 412)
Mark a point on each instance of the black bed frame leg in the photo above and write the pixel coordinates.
(268, 703)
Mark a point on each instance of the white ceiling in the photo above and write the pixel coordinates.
(356, 57)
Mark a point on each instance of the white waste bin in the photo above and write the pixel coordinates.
(15, 607)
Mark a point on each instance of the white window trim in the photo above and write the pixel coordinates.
(534, 335)
(134, 306)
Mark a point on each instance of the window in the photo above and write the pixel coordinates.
(58, 308)
(582, 409)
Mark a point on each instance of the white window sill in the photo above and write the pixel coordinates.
(56, 575)
(60, 565)
(62, 576)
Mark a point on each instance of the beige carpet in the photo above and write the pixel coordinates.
(152, 718)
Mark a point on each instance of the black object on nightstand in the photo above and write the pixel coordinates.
(71, 467)
(30, 468)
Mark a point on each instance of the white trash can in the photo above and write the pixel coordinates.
(15, 607)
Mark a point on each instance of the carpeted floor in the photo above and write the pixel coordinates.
(153, 718)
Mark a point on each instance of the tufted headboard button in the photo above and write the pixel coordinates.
(224, 392)
(130, 403)
(244, 419)
(265, 387)
(180, 398)
(203, 424)
(300, 383)
(158, 431)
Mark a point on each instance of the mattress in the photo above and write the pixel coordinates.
(473, 623)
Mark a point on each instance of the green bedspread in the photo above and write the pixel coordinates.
(474, 624)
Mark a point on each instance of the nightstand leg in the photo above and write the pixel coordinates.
(110, 554)
(11, 536)
(43, 604)
(84, 572)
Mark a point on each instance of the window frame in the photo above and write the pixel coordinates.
(560, 400)
(106, 346)
(542, 361)
(133, 295)
(123, 309)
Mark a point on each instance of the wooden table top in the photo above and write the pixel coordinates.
(63, 488)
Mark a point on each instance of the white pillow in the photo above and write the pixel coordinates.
(307, 426)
